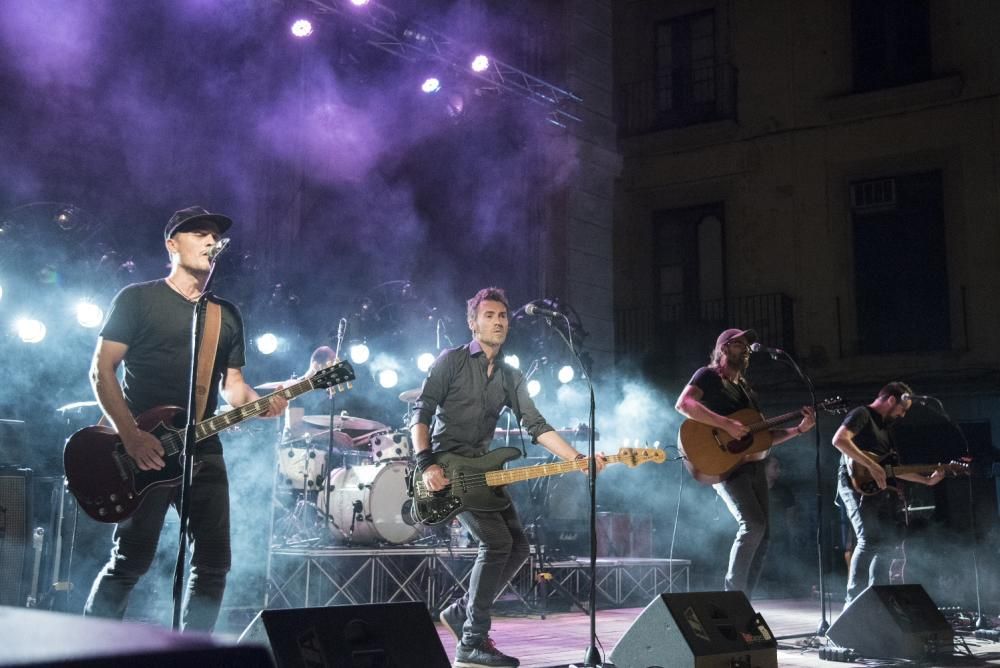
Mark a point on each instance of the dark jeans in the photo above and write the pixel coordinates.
(136, 538)
(875, 531)
(503, 548)
(745, 494)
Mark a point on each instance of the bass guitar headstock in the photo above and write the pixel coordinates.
(633, 457)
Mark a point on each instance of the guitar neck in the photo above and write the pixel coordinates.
(508, 476)
(771, 423)
(215, 424)
(922, 469)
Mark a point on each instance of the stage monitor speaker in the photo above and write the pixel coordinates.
(15, 534)
(377, 635)
(898, 621)
(711, 629)
(39, 638)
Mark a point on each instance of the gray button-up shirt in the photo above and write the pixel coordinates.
(467, 402)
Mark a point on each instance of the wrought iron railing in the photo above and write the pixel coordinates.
(678, 98)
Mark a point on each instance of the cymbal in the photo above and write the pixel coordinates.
(273, 385)
(409, 396)
(8, 421)
(321, 440)
(345, 422)
(568, 434)
(75, 405)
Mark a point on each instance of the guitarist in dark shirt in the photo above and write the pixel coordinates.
(866, 430)
(149, 329)
(713, 393)
(464, 392)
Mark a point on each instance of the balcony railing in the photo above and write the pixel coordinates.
(677, 333)
(678, 98)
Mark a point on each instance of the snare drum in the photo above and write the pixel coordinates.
(368, 504)
(391, 446)
(301, 468)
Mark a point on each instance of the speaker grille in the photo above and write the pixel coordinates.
(15, 533)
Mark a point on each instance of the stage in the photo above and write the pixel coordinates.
(561, 638)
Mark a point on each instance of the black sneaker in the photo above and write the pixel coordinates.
(483, 655)
(453, 617)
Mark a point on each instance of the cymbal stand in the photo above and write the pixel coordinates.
(295, 529)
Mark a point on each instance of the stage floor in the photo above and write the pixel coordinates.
(562, 637)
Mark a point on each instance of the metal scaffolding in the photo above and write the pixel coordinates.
(415, 41)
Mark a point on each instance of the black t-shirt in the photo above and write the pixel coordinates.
(870, 434)
(720, 395)
(155, 323)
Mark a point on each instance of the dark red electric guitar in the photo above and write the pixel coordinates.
(107, 482)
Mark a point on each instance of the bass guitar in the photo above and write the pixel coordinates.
(865, 485)
(107, 482)
(476, 482)
(711, 454)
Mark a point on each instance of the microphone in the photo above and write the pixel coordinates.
(917, 398)
(533, 309)
(757, 348)
(219, 246)
(341, 328)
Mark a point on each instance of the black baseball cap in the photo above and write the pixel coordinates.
(187, 217)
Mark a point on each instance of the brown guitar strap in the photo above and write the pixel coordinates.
(206, 356)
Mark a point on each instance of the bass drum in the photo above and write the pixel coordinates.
(371, 499)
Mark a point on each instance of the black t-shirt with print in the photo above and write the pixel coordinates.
(870, 434)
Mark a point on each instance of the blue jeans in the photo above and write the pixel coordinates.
(871, 517)
(503, 548)
(135, 541)
(745, 494)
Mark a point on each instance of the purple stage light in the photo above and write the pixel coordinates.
(360, 3)
(480, 63)
(431, 85)
(302, 28)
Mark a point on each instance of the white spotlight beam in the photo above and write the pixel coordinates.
(413, 41)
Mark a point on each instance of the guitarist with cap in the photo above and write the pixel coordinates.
(865, 441)
(464, 392)
(713, 393)
(148, 329)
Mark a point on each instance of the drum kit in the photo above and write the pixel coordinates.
(344, 479)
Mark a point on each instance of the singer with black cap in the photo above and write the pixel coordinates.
(714, 392)
(148, 328)
(865, 438)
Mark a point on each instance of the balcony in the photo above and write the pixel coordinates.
(679, 98)
(678, 336)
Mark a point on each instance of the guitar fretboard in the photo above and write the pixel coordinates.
(771, 423)
(215, 424)
(517, 474)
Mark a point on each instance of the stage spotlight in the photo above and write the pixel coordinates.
(480, 63)
(565, 374)
(360, 3)
(1, 293)
(534, 387)
(66, 217)
(424, 362)
(302, 28)
(431, 85)
(89, 314)
(267, 343)
(388, 378)
(359, 353)
(512, 360)
(30, 330)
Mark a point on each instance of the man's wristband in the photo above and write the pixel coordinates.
(424, 459)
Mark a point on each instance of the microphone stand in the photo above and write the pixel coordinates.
(592, 655)
(824, 625)
(187, 448)
(981, 622)
(341, 330)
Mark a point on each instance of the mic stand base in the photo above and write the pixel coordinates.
(592, 659)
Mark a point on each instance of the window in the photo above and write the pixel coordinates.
(891, 43)
(686, 69)
(689, 261)
(901, 277)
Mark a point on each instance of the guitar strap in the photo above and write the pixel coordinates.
(206, 355)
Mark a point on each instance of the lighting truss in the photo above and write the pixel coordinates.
(415, 41)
